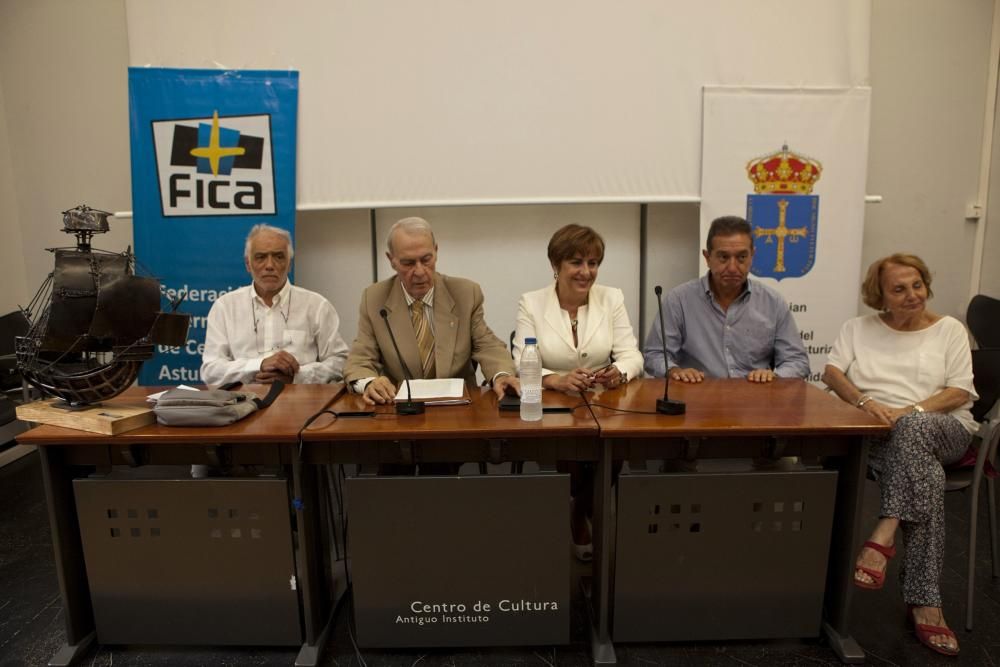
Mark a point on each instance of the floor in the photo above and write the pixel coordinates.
(31, 623)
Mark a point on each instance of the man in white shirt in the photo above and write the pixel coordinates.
(272, 330)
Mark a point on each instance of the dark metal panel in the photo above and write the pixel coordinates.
(458, 544)
(57, 477)
(205, 561)
(721, 556)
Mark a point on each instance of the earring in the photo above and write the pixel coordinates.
(556, 276)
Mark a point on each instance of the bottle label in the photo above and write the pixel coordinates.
(531, 394)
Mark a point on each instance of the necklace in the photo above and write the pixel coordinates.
(253, 314)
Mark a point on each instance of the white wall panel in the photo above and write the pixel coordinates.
(450, 101)
(503, 248)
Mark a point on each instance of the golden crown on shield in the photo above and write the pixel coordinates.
(783, 172)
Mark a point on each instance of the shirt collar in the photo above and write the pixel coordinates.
(707, 287)
(428, 298)
(278, 299)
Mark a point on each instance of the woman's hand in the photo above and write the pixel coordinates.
(578, 379)
(883, 412)
(609, 377)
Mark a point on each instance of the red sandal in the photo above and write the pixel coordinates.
(925, 632)
(878, 578)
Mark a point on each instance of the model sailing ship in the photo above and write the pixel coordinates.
(94, 321)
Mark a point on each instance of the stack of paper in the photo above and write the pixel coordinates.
(442, 391)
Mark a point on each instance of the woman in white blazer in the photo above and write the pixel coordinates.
(584, 338)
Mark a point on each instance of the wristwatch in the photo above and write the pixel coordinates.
(917, 408)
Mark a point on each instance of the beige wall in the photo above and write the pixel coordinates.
(929, 63)
(64, 141)
(65, 93)
(15, 290)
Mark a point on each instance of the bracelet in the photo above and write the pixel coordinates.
(862, 400)
(917, 408)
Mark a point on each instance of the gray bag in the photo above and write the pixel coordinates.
(212, 407)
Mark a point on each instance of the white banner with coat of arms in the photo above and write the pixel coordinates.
(793, 162)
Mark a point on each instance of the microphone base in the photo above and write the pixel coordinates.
(668, 406)
(410, 408)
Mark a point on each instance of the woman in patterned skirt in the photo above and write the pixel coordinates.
(911, 369)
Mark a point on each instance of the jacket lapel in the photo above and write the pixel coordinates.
(555, 318)
(445, 328)
(596, 313)
(402, 327)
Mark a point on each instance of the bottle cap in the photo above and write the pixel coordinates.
(530, 341)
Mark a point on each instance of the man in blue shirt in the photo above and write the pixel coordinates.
(724, 324)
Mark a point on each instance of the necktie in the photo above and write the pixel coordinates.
(425, 339)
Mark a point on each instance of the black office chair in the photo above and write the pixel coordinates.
(12, 325)
(983, 318)
(986, 411)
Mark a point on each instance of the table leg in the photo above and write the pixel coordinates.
(599, 607)
(843, 547)
(70, 569)
(317, 610)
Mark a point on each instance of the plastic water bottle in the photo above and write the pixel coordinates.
(531, 381)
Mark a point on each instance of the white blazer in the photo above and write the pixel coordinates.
(606, 333)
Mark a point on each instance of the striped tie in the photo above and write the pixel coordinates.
(425, 339)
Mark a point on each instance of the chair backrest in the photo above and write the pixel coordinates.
(11, 325)
(986, 372)
(983, 318)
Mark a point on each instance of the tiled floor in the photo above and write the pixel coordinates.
(31, 623)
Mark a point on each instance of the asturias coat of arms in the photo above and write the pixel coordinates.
(783, 214)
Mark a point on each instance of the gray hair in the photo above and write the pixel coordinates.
(412, 225)
(264, 227)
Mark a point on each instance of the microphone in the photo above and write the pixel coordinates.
(411, 407)
(666, 405)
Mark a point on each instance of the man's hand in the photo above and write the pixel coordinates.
(268, 377)
(380, 391)
(502, 382)
(578, 379)
(690, 375)
(280, 362)
(762, 375)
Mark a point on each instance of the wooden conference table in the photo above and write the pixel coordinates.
(268, 437)
(735, 418)
(725, 418)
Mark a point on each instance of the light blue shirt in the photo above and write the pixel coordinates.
(757, 331)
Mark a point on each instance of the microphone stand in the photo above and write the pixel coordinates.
(410, 407)
(666, 405)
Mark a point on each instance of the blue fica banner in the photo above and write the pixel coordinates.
(783, 214)
(213, 153)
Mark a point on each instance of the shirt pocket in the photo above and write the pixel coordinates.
(757, 338)
(930, 368)
(294, 337)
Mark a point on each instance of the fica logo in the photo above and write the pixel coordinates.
(215, 166)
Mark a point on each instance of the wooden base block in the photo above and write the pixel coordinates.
(109, 419)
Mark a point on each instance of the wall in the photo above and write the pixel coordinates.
(15, 290)
(63, 77)
(63, 88)
(928, 75)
